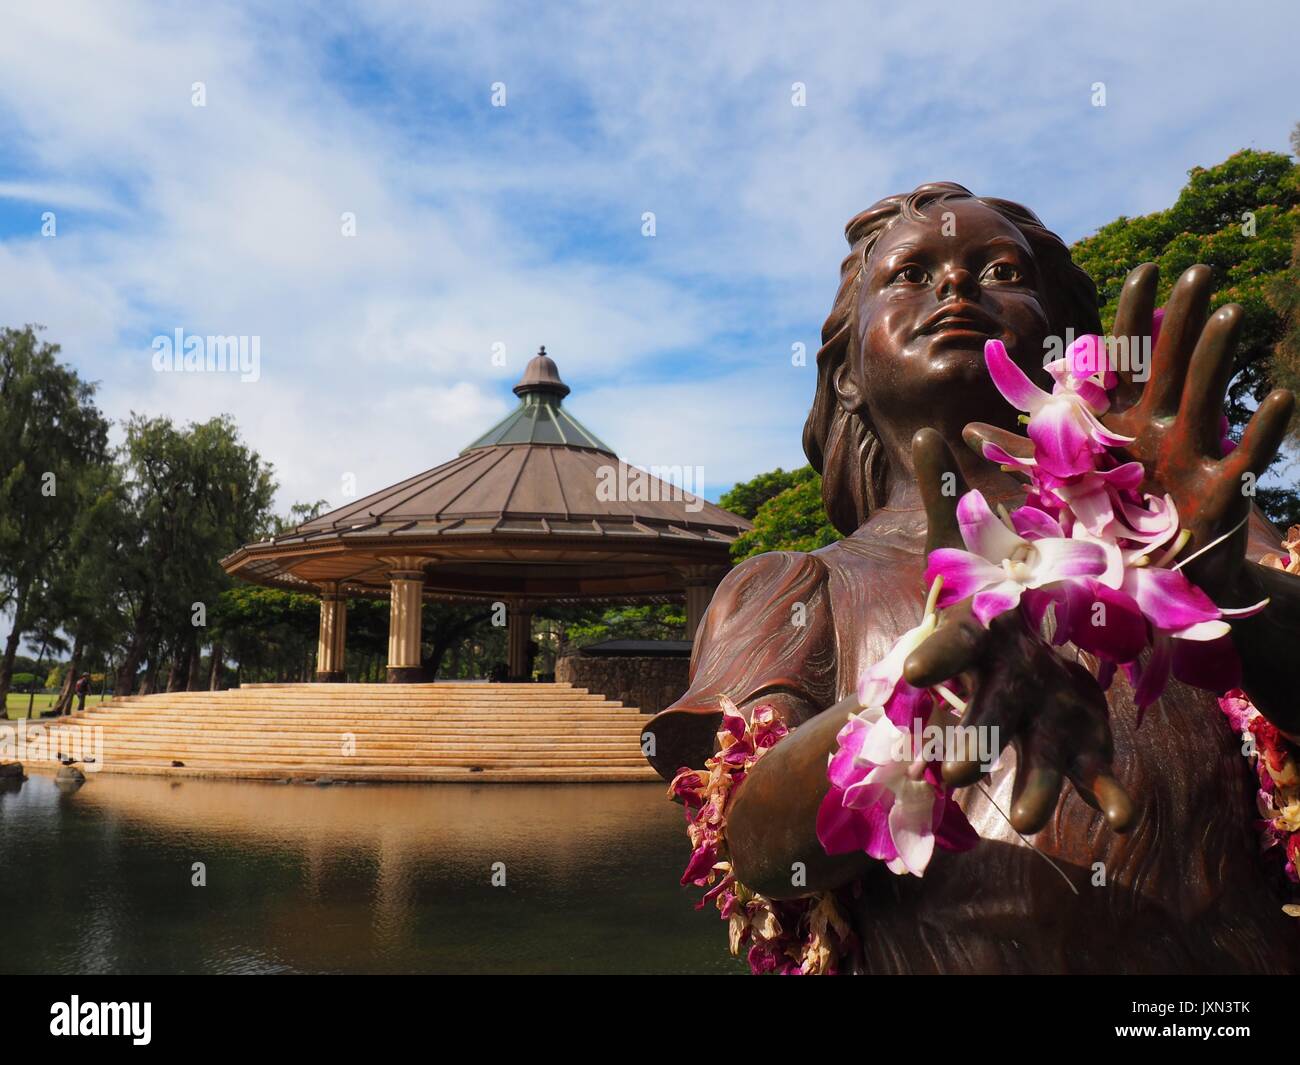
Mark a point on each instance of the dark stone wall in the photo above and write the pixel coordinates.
(649, 684)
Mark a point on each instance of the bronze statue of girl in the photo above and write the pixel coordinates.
(1169, 880)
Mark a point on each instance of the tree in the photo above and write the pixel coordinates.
(195, 494)
(271, 633)
(445, 626)
(1241, 218)
(1283, 295)
(299, 514)
(747, 496)
(792, 520)
(84, 597)
(51, 436)
(580, 626)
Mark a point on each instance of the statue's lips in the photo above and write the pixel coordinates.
(966, 319)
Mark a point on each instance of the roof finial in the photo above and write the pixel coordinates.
(541, 375)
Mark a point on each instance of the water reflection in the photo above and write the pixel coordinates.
(347, 879)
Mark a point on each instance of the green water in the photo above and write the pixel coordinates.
(349, 879)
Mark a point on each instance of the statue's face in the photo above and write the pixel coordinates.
(933, 292)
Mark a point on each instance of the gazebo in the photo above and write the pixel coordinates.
(536, 511)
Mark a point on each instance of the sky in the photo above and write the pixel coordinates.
(483, 231)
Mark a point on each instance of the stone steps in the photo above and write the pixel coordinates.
(333, 748)
(580, 709)
(411, 735)
(382, 775)
(333, 760)
(414, 732)
(327, 744)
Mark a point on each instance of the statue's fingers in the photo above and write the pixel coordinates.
(963, 766)
(1184, 318)
(961, 772)
(987, 440)
(956, 647)
(1036, 792)
(1100, 790)
(1201, 408)
(1137, 304)
(1070, 730)
(942, 485)
(1263, 437)
(1114, 802)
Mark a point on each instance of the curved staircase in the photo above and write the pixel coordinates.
(375, 732)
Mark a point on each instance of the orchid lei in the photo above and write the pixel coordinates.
(1274, 757)
(1087, 544)
(808, 936)
(1277, 765)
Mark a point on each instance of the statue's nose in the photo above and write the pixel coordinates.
(955, 281)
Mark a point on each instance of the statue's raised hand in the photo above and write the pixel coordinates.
(1174, 415)
(1051, 709)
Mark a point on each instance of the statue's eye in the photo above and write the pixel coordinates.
(1006, 272)
(910, 275)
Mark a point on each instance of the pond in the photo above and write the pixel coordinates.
(348, 879)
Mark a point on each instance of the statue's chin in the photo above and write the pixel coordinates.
(959, 355)
(957, 340)
(950, 372)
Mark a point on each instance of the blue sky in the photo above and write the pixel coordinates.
(522, 225)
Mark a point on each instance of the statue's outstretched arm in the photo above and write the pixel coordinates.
(772, 825)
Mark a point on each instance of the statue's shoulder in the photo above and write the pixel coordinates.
(805, 575)
(772, 575)
(767, 634)
(858, 557)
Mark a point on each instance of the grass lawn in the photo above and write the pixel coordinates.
(17, 704)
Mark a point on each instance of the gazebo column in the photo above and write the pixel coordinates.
(700, 584)
(519, 624)
(332, 643)
(406, 609)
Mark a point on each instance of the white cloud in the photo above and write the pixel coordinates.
(522, 225)
(50, 194)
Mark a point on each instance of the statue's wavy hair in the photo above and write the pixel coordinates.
(841, 445)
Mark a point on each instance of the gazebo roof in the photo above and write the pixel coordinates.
(539, 418)
(537, 506)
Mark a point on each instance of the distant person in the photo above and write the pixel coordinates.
(82, 688)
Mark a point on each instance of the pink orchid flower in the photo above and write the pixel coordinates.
(1000, 565)
(1151, 525)
(1179, 611)
(842, 829)
(1089, 356)
(1095, 496)
(879, 684)
(1062, 424)
(890, 790)
(1227, 445)
(881, 800)
(884, 802)
(1089, 360)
